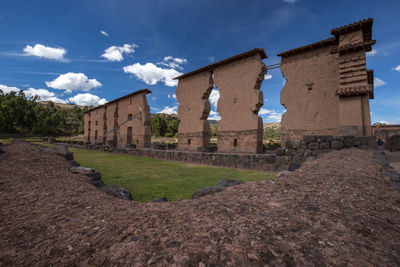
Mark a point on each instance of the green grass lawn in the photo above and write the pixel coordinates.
(148, 179)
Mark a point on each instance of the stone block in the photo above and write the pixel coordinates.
(316, 152)
(336, 144)
(328, 138)
(307, 153)
(303, 144)
(270, 159)
(287, 160)
(338, 138)
(299, 158)
(349, 141)
(309, 138)
(321, 138)
(325, 145)
(292, 144)
(280, 151)
(313, 146)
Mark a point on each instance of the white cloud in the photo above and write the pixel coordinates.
(290, 1)
(114, 53)
(151, 74)
(214, 116)
(45, 51)
(172, 96)
(371, 53)
(378, 82)
(7, 89)
(44, 95)
(73, 81)
(264, 111)
(173, 62)
(267, 76)
(87, 100)
(214, 96)
(275, 116)
(397, 68)
(104, 33)
(169, 110)
(384, 122)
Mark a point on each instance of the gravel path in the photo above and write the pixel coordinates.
(337, 210)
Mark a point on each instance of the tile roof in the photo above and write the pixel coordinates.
(366, 23)
(302, 49)
(210, 67)
(356, 90)
(146, 91)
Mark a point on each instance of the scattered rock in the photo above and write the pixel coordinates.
(70, 248)
(117, 191)
(310, 158)
(63, 151)
(221, 185)
(161, 199)
(282, 173)
(293, 166)
(48, 253)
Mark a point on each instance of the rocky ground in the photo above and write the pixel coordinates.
(337, 210)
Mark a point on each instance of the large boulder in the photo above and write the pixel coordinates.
(221, 185)
(95, 177)
(117, 191)
(161, 199)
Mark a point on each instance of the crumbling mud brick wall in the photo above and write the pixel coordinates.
(129, 115)
(239, 80)
(328, 85)
(192, 94)
(240, 128)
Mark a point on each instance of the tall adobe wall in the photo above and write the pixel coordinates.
(328, 85)
(122, 122)
(240, 128)
(192, 94)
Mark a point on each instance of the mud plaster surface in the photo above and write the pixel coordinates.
(337, 210)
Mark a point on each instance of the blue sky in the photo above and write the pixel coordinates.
(92, 51)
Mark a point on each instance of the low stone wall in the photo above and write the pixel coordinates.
(295, 152)
(315, 145)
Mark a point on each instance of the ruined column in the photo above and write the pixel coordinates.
(240, 128)
(192, 94)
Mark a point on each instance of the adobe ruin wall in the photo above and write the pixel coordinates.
(128, 115)
(328, 85)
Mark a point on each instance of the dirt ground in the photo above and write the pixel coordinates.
(337, 210)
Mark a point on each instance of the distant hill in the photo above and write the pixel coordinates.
(63, 106)
(272, 125)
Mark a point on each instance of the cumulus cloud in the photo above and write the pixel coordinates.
(169, 110)
(114, 53)
(272, 114)
(104, 33)
(8, 89)
(87, 100)
(371, 53)
(384, 122)
(214, 116)
(151, 74)
(45, 51)
(73, 81)
(173, 62)
(378, 82)
(397, 68)
(276, 116)
(172, 96)
(267, 76)
(264, 111)
(44, 95)
(214, 96)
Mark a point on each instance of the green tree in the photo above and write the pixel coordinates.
(159, 125)
(172, 127)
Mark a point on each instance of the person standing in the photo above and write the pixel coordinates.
(380, 144)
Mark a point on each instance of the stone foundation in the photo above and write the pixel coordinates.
(249, 141)
(194, 141)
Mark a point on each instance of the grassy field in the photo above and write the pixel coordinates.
(148, 179)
